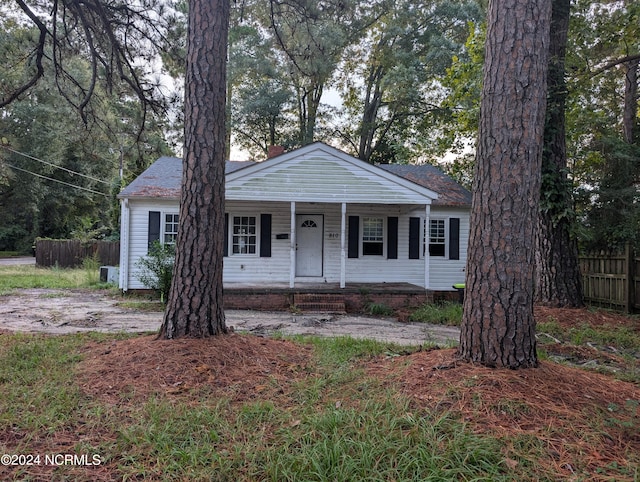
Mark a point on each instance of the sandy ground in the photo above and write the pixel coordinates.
(73, 311)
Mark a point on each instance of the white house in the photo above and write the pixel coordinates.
(314, 215)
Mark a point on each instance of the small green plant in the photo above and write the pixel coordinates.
(156, 269)
(91, 267)
(441, 313)
(378, 309)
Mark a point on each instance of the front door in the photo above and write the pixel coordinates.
(309, 236)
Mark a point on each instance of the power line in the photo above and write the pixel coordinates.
(57, 167)
(55, 180)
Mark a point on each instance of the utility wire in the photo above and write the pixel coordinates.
(56, 180)
(57, 167)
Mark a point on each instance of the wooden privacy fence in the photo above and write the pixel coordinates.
(612, 279)
(70, 253)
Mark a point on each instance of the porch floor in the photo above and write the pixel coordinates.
(302, 287)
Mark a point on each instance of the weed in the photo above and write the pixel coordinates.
(91, 267)
(378, 309)
(441, 313)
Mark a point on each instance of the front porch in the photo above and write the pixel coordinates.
(327, 297)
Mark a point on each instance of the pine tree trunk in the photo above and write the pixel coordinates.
(195, 304)
(558, 278)
(498, 327)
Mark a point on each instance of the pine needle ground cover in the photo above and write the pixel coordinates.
(246, 408)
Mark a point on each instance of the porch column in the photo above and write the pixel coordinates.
(123, 281)
(425, 245)
(343, 244)
(292, 236)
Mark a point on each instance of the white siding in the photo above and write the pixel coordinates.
(322, 174)
(444, 272)
(253, 269)
(139, 232)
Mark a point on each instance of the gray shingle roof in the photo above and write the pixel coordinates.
(450, 193)
(164, 177)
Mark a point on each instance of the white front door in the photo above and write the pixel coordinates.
(309, 236)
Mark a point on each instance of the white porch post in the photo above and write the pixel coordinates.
(343, 254)
(292, 236)
(425, 245)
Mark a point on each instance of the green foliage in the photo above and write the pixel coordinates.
(156, 269)
(64, 165)
(464, 84)
(91, 267)
(398, 114)
(613, 217)
(378, 309)
(443, 313)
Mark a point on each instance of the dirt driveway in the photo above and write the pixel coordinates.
(73, 311)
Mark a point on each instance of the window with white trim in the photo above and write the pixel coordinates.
(437, 237)
(244, 235)
(372, 236)
(170, 229)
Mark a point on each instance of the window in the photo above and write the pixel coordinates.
(437, 237)
(372, 236)
(170, 228)
(309, 223)
(244, 235)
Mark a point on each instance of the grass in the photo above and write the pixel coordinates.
(10, 254)
(25, 277)
(372, 434)
(441, 313)
(621, 337)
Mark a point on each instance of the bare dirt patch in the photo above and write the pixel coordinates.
(73, 311)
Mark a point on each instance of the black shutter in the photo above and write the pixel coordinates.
(392, 237)
(226, 234)
(454, 238)
(354, 237)
(414, 238)
(265, 235)
(154, 227)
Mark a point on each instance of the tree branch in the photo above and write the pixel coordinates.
(613, 63)
(39, 55)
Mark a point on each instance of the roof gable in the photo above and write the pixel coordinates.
(321, 173)
(314, 173)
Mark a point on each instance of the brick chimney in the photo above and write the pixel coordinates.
(274, 151)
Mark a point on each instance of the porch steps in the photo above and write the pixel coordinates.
(319, 303)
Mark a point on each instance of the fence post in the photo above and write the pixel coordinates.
(631, 270)
(630, 292)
